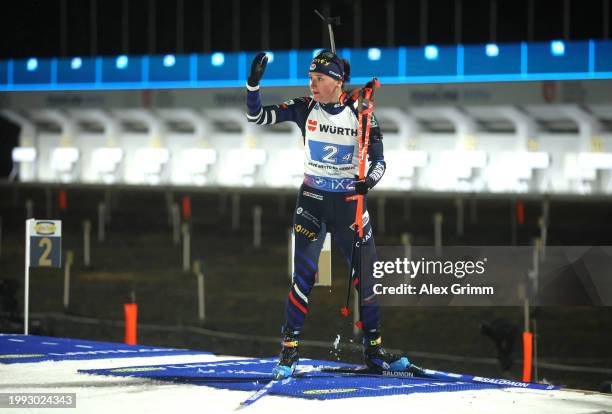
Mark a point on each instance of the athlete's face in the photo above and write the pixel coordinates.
(325, 89)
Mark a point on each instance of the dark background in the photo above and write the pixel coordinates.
(110, 27)
(9, 136)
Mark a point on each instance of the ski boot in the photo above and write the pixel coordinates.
(378, 359)
(289, 357)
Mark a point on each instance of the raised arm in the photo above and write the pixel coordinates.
(294, 110)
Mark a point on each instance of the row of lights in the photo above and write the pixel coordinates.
(431, 52)
(557, 48)
(121, 62)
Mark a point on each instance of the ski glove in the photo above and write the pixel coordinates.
(362, 187)
(258, 67)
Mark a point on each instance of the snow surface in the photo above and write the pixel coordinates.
(102, 394)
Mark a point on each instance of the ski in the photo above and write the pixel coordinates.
(263, 391)
(366, 371)
(417, 372)
(441, 375)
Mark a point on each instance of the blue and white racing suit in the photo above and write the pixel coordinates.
(329, 132)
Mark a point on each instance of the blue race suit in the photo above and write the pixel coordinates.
(329, 132)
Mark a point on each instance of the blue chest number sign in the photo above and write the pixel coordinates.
(331, 153)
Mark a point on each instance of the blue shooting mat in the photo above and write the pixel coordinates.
(30, 348)
(254, 374)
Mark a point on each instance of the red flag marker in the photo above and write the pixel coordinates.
(131, 322)
(63, 200)
(520, 212)
(527, 355)
(186, 207)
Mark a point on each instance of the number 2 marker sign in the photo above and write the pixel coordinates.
(43, 249)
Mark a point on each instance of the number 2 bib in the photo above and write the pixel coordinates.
(331, 144)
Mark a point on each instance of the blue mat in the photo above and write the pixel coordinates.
(253, 374)
(29, 348)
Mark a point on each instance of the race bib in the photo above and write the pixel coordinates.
(328, 153)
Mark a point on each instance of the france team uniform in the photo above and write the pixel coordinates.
(331, 163)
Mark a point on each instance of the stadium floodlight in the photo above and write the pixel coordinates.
(270, 56)
(122, 62)
(76, 63)
(169, 61)
(217, 59)
(557, 48)
(32, 64)
(431, 52)
(24, 154)
(62, 159)
(374, 54)
(595, 160)
(492, 50)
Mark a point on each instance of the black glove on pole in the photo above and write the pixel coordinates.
(362, 186)
(258, 67)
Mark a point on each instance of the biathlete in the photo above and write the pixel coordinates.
(329, 123)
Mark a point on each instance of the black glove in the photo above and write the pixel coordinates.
(258, 67)
(372, 84)
(361, 186)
